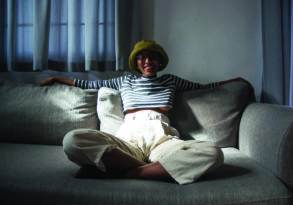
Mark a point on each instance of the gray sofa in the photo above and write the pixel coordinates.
(256, 138)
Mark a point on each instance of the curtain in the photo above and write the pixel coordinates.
(128, 29)
(2, 30)
(291, 59)
(277, 68)
(67, 35)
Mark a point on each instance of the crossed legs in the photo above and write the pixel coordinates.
(87, 147)
(132, 168)
(182, 161)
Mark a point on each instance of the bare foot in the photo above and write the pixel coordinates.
(153, 171)
(117, 161)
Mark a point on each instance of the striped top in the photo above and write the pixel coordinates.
(144, 92)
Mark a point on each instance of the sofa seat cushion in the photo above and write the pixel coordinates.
(41, 174)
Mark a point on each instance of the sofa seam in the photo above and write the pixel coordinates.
(265, 200)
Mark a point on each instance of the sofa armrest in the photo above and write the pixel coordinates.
(266, 135)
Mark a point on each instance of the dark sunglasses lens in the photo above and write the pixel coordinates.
(152, 56)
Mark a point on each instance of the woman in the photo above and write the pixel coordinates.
(145, 146)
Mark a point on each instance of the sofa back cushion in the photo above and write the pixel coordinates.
(34, 114)
(207, 114)
(212, 114)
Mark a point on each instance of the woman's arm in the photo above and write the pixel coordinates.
(216, 84)
(113, 83)
(182, 84)
(239, 79)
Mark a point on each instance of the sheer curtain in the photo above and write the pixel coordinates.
(67, 35)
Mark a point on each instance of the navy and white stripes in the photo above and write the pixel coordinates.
(144, 92)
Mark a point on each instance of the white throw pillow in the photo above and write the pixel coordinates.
(109, 110)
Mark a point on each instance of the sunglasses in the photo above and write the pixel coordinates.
(151, 56)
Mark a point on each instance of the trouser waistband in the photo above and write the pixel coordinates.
(147, 115)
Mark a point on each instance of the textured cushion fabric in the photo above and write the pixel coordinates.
(266, 135)
(41, 174)
(212, 114)
(34, 114)
(109, 110)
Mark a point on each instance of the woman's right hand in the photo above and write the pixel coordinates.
(52, 80)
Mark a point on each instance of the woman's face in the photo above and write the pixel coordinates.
(148, 63)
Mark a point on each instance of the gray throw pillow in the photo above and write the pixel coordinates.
(212, 114)
(43, 115)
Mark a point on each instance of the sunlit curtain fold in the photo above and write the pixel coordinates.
(41, 28)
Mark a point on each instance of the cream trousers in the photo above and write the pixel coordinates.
(147, 136)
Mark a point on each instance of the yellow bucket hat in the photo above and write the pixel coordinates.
(147, 45)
